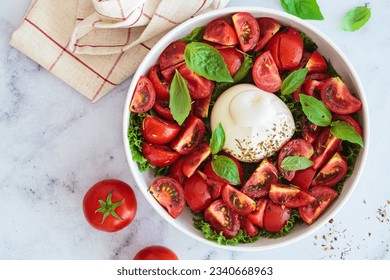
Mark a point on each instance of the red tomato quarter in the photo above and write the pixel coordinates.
(268, 28)
(289, 196)
(156, 253)
(247, 30)
(197, 193)
(159, 131)
(257, 216)
(159, 155)
(275, 216)
(162, 109)
(110, 205)
(195, 158)
(160, 85)
(173, 54)
(238, 201)
(233, 59)
(221, 32)
(265, 73)
(332, 172)
(144, 96)
(198, 86)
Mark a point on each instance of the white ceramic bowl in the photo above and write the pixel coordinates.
(328, 49)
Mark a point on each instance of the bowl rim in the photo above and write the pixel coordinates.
(364, 115)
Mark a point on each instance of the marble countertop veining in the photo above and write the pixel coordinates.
(55, 144)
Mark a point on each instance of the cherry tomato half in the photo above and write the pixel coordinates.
(173, 54)
(176, 172)
(162, 109)
(324, 148)
(332, 172)
(195, 158)
(257, 216)
(215, 186)
(316, 63)
(155, 253)
(221, 32)
(268, 28)
(198, 86)
(265, 73)
(169, 193)
(275, 216)
(238, 201)
(197, 193)
(233, 59)
(159, 131)
(289, 196)
(110, 205)
(160, 85)
(248, 226)
(247, 30)
(159, 155)
(144, 96)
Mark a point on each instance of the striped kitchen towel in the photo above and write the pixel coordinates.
(93, 45)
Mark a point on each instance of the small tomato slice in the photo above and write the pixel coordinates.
(257, 216)
(275, 216)
(268, 28)
(232, 58)
(265, 73)
(160, 85)
(294, 147)
(337, 97)
(332, 172)
(248, 227)
(247, 30)
(222, 219)
(173, 54)
(316, 63)
(200, 107)
(169, 193)
(144, 96)
(238, 201)
(198, 86)
(221, 32)
(195, 158)
(215, 186)
(310, 131)
(324, 196)
(162, 109)
(324, 148)
(159, 155)
(197, 193)
(176, 172)
(190, 136)
(260, 181)
(159, 131)
(155, 253)
(289, 196)
(304, 178)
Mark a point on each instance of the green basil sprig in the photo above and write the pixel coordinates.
(296, 163)
(180, 99)
(294, 81)
(225, 168)
(196, 35)
(304, 9)
(217, 140)
(315, 110)
(206, 61)
(355, 18)
(344, 131)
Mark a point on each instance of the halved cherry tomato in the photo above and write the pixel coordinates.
(172, 54)
(238, 201)
(195, 158)
(312, 89)
(144, 96)
(349, 120)
(324, 196)
(265, 73)
(332, 172)
(155, 253)
(159, 155)
(324, 148)
(160, 85)
(200, 107)
(247, 30)
(190, 136)
(316, 63)
(215, 186)
(289, 196)
(337, 97)
(257, 216)
(197, 193)
(275, 216)
(268, 28)
(208, 170)
(303, 178)
(169, 72)
(286, 48)
(260, 181)
(198, 86)
(221, 32)
(162, 109)
(159, 131)
(176, 172)
(169, 193)
(232, 58)
(249, 227)
(294, 147)
(310, 131)
(222, 218)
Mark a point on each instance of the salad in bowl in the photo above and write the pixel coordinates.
(246, 128)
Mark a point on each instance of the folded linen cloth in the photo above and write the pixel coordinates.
(93, 45)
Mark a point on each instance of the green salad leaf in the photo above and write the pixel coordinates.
(217, 140)
(315, 110)
(355, 18)
(344, 131)
(196, 35)
(206, 61)
(179, 99)
(225, 168)
(304, 9)
(308, 43)
(293, 81)
(296, 163)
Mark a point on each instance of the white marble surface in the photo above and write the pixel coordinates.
(55, 144)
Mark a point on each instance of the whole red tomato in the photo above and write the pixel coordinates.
(156, 253)
(110, 205)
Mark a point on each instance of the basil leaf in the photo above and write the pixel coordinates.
(217, 140)
(355, 18)
(344, 131)
(180, 99)
(207, 62)
(304, 9)
(296, 163)
(196, 35)
(315, 110)
(225, 168)
(294, 81)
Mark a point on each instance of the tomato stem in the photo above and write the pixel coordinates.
(108, 208)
